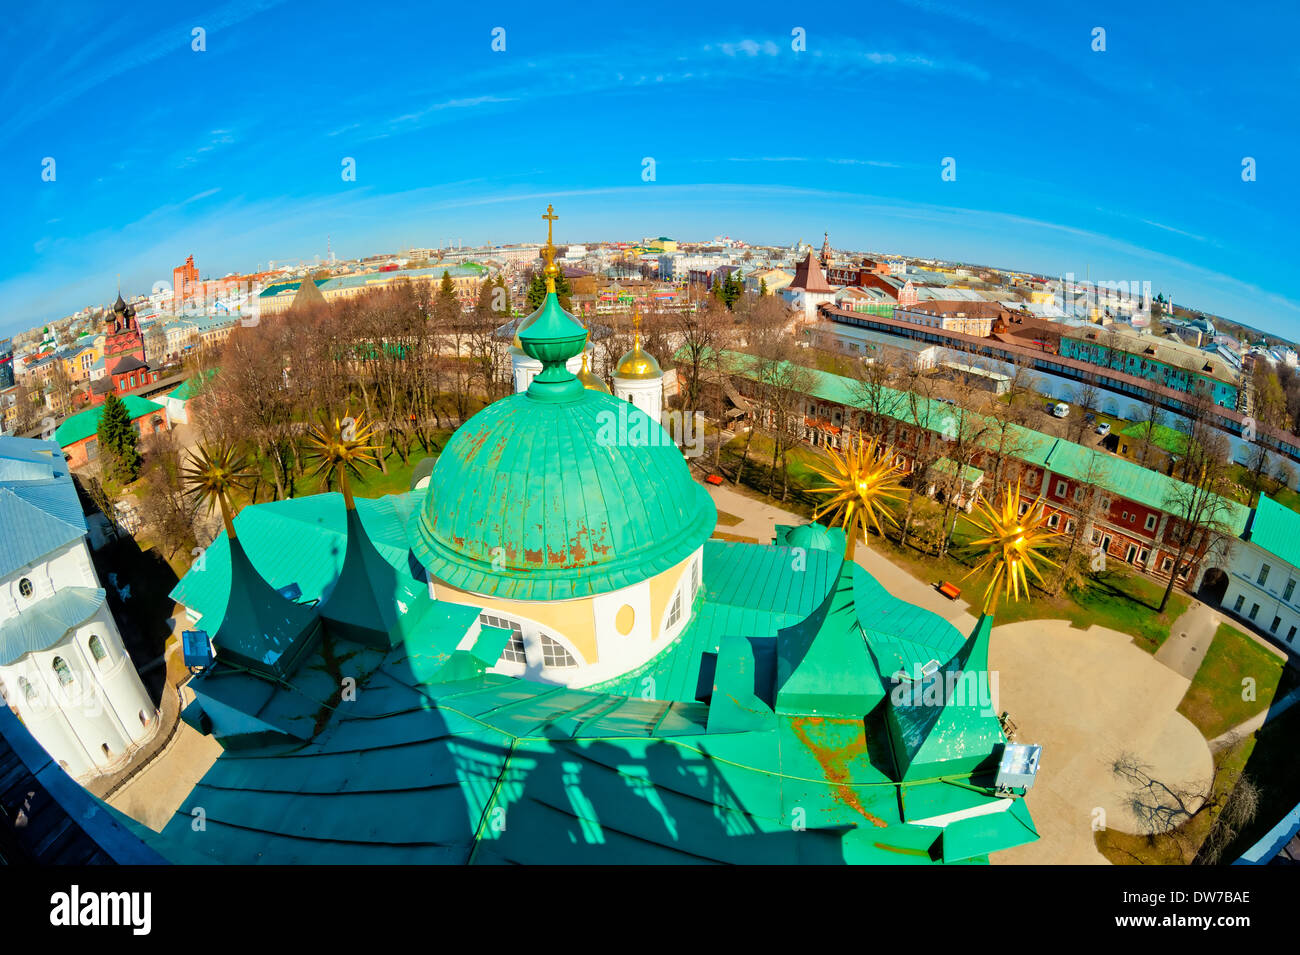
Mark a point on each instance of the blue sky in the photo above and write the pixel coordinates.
(1125, 164)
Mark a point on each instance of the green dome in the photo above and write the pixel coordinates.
(540, 498)
(812, 537)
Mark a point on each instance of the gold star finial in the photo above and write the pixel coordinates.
(864, 480)
(1014, 544)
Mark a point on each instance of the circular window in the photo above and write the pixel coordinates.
(625, 619)
(25, 587)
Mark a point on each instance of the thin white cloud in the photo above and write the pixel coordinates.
(1169, 228)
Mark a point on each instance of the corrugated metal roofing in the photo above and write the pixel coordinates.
(28, 533)
(42, 624)
(1276, 529)
(486, 768)
(84, 424)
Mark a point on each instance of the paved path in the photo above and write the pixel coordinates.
(1084, 695)
(1189, 639)
(156, 790)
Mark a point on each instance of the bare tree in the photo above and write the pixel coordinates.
(1087, 398)
(165, 507)
(875, 384)
(1165, 808)
(1198, 507)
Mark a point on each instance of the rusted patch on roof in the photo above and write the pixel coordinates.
(836, 758)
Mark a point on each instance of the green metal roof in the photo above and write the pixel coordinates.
(298, 541)
(787, 749)
(372, 601)
(85, 424)
(548, 500)
(495, 770)
(259, 628)
(188, 388)
(1276, 529)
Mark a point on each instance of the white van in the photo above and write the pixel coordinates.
(1061, 409)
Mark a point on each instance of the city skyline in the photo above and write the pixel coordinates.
(1078, 161)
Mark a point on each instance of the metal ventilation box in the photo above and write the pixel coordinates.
(196, 648)
(1019, 766)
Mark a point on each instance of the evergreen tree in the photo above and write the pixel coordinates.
(537, 291)
(735, 287)
(446, 288)
(762, 288)
(118, 449)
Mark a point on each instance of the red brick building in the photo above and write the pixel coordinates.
(185, 281)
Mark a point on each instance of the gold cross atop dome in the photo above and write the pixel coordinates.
(548, 250)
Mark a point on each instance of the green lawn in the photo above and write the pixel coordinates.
(373, 482)
(1214, 700)
(1239, 488)
(1117, 599)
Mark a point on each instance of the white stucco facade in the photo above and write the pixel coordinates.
(1265, 590)
(646, 394)
(79, 693)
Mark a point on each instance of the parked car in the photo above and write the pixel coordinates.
(1103, 429)
(1060, 410)
(1090, 417)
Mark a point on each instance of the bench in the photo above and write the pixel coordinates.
(951, 591)
(713, 479)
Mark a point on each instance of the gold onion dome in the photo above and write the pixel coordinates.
(637, 363)
(590, 380)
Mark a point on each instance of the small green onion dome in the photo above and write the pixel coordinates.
(811, 537)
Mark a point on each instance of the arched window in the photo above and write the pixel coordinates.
(97, 649)
(29, 691)
(62, 672)
(554, 656)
